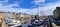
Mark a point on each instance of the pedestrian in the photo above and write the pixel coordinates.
(55, 21)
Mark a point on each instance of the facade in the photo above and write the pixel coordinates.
(2, 20)
(1, 15)
(9, 15)
(24, 18)
(20, 16)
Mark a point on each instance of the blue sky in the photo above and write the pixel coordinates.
(29, 6)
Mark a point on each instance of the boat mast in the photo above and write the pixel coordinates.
(37, 10)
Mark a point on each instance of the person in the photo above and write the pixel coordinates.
(55, 21)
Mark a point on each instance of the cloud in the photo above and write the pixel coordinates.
(50, 7)
(37, 2)
(46, 10)
(9, 8)
(3, 0)
(14, 4)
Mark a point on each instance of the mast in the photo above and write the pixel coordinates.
(37, 10)
(32, 11)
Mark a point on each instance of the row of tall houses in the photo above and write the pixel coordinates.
(21, 16)
(1, 15)
(9, 15)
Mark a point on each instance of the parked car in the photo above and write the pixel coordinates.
(13, 22)
(37, 22)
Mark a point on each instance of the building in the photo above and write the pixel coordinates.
(1, 15)
(9, 14)
(2, 19)
(19, 16)
(24, 18)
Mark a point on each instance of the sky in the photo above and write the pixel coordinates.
(32, 7)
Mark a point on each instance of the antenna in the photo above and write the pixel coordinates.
(32, 11)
